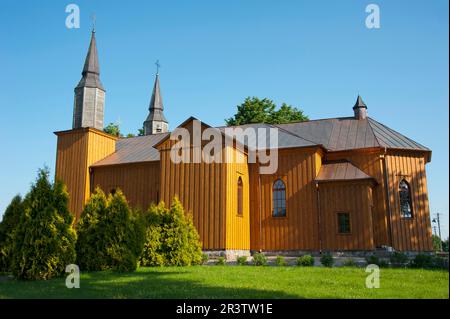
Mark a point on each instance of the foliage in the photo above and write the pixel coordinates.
(437, 243)
(141, 132)
(220, 261)
(445, 245)
(399, 259)
(422, 261)
(242, 260)
(205, 258)
(171, 237)
(327, 260)
(259, 259)
(8, 226)
(255, 110)
(130, 135)
(373, 260)
(110, 234)
(280, 261)
(349, 263)
(44, 240)
(113, 129)
(305, 260)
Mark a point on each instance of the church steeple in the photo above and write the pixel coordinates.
(156, 121)
(360, 109)
(89, 93)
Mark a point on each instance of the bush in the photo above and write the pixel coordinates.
(172, 239)
(8, 226)
(205, 258)
(242, 260)
(349, 263)
(399, 259)
(259, 259)
(327, 260)
(280, 261)
(429, 262)
(440, 262)
(306, 261)
(373, 260)
(44, 240)
(110, 234)
(220, 261)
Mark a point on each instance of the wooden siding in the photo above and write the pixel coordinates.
(298, 230)
(76, 151)
(201, 188)
(237, 226)
(409, 234)
(138, 181)
(355, 199)
(370, 162)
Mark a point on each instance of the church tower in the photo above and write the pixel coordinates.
(89, 94)
(156, 122)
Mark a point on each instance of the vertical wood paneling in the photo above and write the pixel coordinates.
(76, 151)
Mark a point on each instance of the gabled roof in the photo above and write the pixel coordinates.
(134, 149)
(343, 171)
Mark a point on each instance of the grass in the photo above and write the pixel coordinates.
(238, 282)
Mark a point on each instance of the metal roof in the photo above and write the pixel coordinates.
(336, 134)
(134, 149)
(343, 171)
(91, 69)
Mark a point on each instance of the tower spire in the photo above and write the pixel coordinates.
(360, 108)
(156, 121)
(89, 93)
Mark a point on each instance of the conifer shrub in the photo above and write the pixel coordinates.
(44, 240)
(305, 261)
(280, 261)
(259, 259)
(327, 260)
(241, 260)
(171, 237)
(110, 234)
(8, 226)
(220, 261)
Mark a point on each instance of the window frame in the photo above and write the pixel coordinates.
(410, 202)
(276, 198)
(338, 214)
(240, 196)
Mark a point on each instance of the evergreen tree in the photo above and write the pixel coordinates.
(8, 227)
(44, 241)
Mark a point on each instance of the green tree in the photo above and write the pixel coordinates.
(8, 226)
(141, 132)
(113, 129)
(44, 241)
(445, 245)
(437, 243)
(255, 110)
(172, 239)
(110, 234)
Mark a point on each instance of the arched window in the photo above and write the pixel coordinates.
(279, 198)
(240, 196)
(404, 192)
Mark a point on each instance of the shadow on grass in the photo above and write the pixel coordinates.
(143, 284)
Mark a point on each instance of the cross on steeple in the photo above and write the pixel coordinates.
(157, 67)
(93, 21)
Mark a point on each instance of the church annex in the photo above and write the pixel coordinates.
(342, 184)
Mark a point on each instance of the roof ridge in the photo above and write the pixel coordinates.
(296, 135)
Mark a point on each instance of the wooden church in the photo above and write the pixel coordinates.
(341, 184)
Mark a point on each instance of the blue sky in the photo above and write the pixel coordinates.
(316, 55)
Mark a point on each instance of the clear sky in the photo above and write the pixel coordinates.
(316, 55)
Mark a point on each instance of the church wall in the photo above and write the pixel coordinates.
(354, 198)
(409, 234)
(76, 151)
(139, 182)
(299, 229)
(237, 226)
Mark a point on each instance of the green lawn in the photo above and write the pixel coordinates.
(238, 282)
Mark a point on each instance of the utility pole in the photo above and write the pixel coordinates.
(438, 221)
